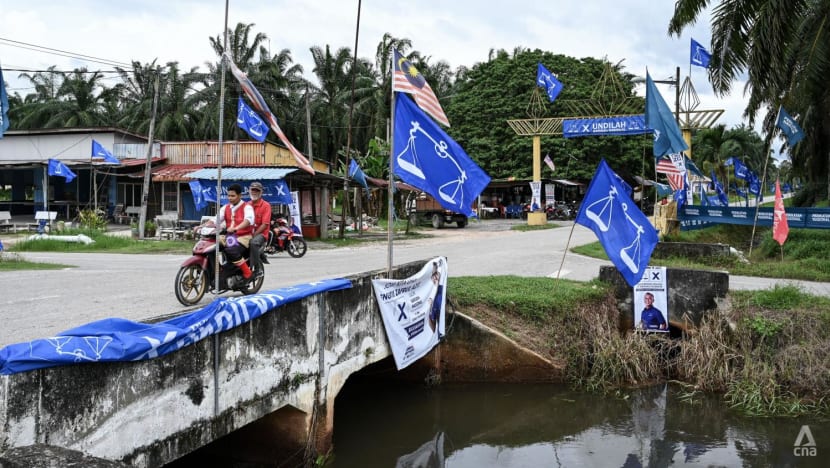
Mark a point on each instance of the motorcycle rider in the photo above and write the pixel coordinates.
(262, 226)
(238, 217)
(282, 232)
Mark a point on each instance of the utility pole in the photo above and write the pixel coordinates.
(149, 156)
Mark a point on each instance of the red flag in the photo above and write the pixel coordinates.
(262, 108)
(408, 79)
(780, 228)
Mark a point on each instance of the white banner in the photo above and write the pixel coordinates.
(651, 301)
(413, 311)
(294, 209)
(536, 197)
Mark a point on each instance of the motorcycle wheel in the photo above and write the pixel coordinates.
(297, 247)
(191, 284)
(254, 286)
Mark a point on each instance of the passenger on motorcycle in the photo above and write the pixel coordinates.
(282, 232)
(262, 225)
(238, 218)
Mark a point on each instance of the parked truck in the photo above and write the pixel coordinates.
(422, 208)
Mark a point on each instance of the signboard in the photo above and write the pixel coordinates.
(604, 126)
(651, 301)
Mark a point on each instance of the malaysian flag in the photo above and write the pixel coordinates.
(666, 166)
(407, 79)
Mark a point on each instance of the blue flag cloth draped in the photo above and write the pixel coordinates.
(274, 191)
(57, 168)
(4, 106)
(623, 230)
(199, 201)
(789, 127)
(659, 118)
(428, 159)
(117, 339)
(356, 173)
(724, 200)
(545, 79)
(680, 195)
(663, 190)
(698, 55)
(99, 151)
(249, 121)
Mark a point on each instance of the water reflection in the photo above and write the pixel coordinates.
(460, 426)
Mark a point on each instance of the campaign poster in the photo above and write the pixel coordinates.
(536, 196)
(651, 301)
(294, 210)
(413, 311)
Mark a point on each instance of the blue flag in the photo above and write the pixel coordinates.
(545, 79)
(680, 195)
(698, 55)
(659, 118)
(57, 168)
(724, 200)
(4, 106)
(252, 123)
(357, 174)
(99, 151)
(741, 171)
(198, 199)
(789, 127)
(428, 159)
(623, 230)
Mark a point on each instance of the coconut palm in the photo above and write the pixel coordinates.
(80, 101)
(330, 104)
(784, 47)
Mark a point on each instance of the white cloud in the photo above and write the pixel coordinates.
(461, 32)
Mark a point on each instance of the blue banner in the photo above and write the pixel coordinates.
(274, 191)
(604, 126)
(59, 169)
(696, 217)
(252, 123)
(116, 339)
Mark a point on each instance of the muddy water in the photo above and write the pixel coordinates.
(499, 425)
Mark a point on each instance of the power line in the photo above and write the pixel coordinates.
(62, 53)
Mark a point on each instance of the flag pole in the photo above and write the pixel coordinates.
(564, 253)
(348, 158)
(221, 149)
(390, 231)
(761, 194)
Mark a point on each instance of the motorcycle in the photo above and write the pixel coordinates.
(196, 276)
(292, 242)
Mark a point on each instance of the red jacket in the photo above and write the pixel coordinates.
(262, 215)
(238, 217)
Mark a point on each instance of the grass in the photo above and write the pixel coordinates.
(526, 227)
(104, 243)
(765, 351)
(14, 262)
(805, 254)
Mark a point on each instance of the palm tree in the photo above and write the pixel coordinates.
(81, 102)
(785, 49)
(331, 99)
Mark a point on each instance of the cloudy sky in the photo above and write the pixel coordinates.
(461, 32)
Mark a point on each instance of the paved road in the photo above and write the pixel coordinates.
(34, 304)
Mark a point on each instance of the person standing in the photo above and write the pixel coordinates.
(238, 217)
(651, 318)
(262, 226)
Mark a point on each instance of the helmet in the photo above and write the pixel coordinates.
(282, 221)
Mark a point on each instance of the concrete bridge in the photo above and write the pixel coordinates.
(285, 368)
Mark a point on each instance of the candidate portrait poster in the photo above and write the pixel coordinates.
(413, 311)
(651, 301)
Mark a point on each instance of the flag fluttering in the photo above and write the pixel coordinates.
(549, 162)
(698, 55)
(659, 118)
(428, 159)
(407, 79)
(262, 108)
(249, 121)
(57, 168)
(4, 106)
(98, 151)
(789, 127)
(780, 227)
(724, 200)
(623, 230)
(674, 167)
(547, 80)
(357, 174)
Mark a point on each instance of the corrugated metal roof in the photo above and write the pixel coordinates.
(174, 172)
(242, 173)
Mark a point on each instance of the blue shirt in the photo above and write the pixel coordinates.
(652, 318)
